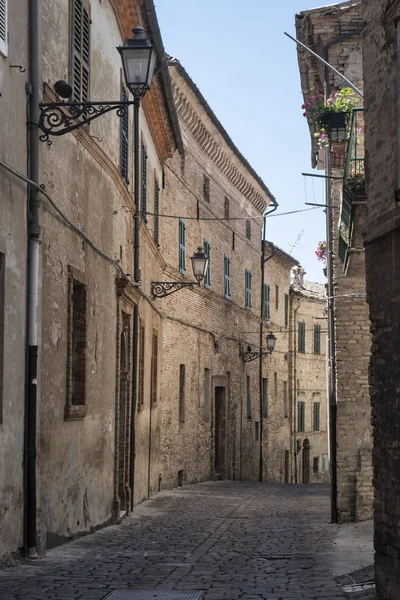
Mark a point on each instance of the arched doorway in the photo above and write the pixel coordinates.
(306, 462)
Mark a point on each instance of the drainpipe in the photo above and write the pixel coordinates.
(295, 393)
(263, 261)
(34, 91)
(331, 306)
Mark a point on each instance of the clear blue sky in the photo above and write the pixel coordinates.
(247, 70)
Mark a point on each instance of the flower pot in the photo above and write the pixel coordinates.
(335, 124)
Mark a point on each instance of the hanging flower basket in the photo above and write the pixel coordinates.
(331, 118)
(335, 124)
(322, 251)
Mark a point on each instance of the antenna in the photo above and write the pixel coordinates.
(293, 246)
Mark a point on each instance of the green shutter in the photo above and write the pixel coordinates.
(80, 75)
(182, 242)
(301, 337)
(227, 282)
(286, 310)
(207, 252)
(144, 183)
(317, 339)
(266, 304)
(316, 415)
(300, 416)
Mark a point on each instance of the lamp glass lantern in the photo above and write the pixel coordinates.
(199, 264)
(271, 339)
(138, 60)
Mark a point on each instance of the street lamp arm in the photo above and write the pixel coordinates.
(161, 289)
(59, 118)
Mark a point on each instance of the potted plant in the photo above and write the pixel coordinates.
(356, 180)
(331, 117)
(322, 251)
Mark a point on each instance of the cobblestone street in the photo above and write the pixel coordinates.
(218, 540)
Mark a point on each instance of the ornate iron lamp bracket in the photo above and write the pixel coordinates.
(58, 118)
(161, 289)
(249, 356)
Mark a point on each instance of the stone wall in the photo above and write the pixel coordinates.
(13, 260)
(382, 268)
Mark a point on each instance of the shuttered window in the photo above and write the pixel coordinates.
(248, 289)
(144, 183)
(301, 337)
(317, 339)
(266, 302)
(80, 63)
(286, 310)
(124, 137)
(141, 367)
(300, 416)
(316, 413)
(207, 252)
(3, 27)
(156, 211)
(182, 245)
(154, 370)
(227, 276)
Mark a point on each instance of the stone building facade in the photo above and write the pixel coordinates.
(210, 424)
(381, 64)
(13, 273)
(308, 381)
(334, 32)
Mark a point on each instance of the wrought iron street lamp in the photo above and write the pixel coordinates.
(249, 355)
(138, 60)
(160, 289)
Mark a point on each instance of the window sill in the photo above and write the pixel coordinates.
(75, 412)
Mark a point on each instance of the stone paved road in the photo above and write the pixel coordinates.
(229, 540)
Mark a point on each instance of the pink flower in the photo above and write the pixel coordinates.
(321, 96)
(323, 136)
(311, 98)
(307, 105)
(303, 106)
(305, 114)
(329, 101)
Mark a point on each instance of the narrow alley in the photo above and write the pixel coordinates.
(212, 541)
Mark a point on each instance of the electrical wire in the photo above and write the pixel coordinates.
(292, 212)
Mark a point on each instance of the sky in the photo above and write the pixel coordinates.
(246, 68)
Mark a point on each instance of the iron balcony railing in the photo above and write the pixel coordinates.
(353, 183)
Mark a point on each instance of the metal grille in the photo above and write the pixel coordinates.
(153, 595)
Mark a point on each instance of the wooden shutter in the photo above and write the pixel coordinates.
(266, 310)
(302, 337)
(317, 339)
(154, 370)
(182, 243)
(156, 210)
(124, 137)
(316, 415)
(141, 368)
(286, 310)
(80, 51)
(3, 27)
(144, 183)
(300, 416)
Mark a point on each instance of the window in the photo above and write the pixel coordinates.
(285, 400)
(206, 188)
(227, 276)
(141, 366)
(207, 277)
(248, 397)
(182, 386)
(3, 27)
(300, 416)
(182, 245)
(80, 50)
(301, 337)
(265, 398)
(226, 209)
(316, 464)
(317, 339)
(316, 413)
(2, 293)
(124, 137)
(156, 232)
(248, 289)
(276, 384)
(286, 310)
(324, 464)
(207, 403)
(154, 371)
(266, 303)
(248, 229)
(76, 345)
(144, 183)
(277, 297)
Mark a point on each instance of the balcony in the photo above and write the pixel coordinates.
(353, 192)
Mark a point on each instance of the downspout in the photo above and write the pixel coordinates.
(34, 91)
(295, 393)
(263, 261)
(331, 305)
